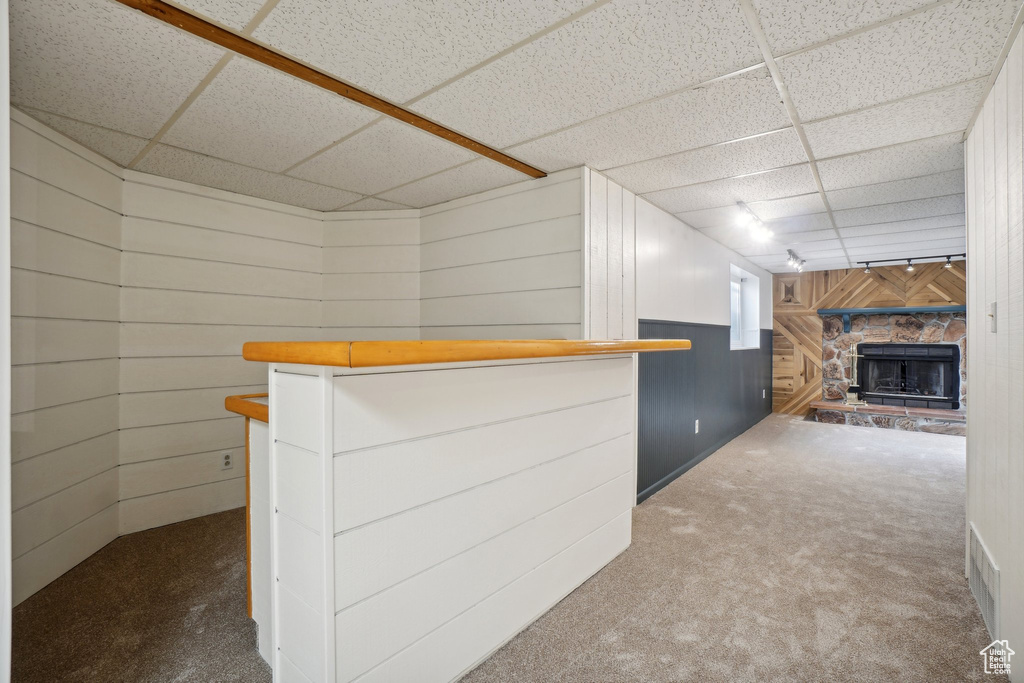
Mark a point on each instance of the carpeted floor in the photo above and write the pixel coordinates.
(166, 604)
(799, 551)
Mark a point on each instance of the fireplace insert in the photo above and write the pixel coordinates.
(912, 375)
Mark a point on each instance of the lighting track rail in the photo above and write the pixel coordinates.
(218, 35)
(910, 261)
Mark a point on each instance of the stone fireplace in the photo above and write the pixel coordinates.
(910, 391)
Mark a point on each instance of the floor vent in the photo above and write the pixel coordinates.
(984, 583)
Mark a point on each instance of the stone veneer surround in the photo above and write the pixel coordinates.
(902, 328)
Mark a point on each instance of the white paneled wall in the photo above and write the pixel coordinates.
(66, 259)
(504, 264)
(610, 272)
(995, 246)
(371, 275)
(202, 271)
(683, 275)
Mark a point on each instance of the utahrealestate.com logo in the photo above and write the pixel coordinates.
(997, 657)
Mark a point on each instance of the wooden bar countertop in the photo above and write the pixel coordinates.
(368, 354)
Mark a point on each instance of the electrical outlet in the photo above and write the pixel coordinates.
(227, 461)
(696, 426)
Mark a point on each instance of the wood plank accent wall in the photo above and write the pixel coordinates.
(796, 362)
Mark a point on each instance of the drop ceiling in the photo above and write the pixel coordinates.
(838, 122)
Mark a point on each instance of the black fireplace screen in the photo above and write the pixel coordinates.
(917, 375)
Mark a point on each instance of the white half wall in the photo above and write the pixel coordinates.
(995, 272)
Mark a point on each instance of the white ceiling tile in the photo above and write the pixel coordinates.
(915, 248)
(889, 124)
(817, 247)
(909, 160)
(372, 204)
(936, 185)
(401, 48)
(795, 24)
(621, 53)
(103, 63)
(921, 236)
(932, 222)
(805, 223)
(788, 206)
(952, 43)
(707, 218)
(783, 182)
(257, 116)
(900, 211)
(181, 164)
(745, 104)
(794, 239)
(384, 156)
(233, 13)
(760, 153)
(476, 176)
(778, 264)
(120, 148)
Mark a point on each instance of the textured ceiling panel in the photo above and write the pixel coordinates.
(813, 221)
(889, 124)
(383, 156)
(120, 148)
(709, 218)
(476, 176)
(180, 164)
(937, 185)
(932, 222)
(372, 204)
(949, 44)
(734, 237)
(788, 206)
(621, 53)
(795, 24)
(258, 116)
(924, 237)
(913, 248)
(832, 247)
(784, 182)
(900, 211)
(779, 265)
(99, 62)
(774, 150)
(918, 158)
(233, 13)
(732, 108)
(401, 48)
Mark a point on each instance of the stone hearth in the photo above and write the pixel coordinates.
(892, 417)
(901, 328)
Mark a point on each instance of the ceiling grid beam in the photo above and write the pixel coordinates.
(754, 22)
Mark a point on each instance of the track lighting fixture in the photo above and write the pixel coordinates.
(910, 261)
(794, 261)
(748, 219)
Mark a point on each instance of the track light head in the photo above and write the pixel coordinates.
(910, 266)
(867, 267)
(949, 262)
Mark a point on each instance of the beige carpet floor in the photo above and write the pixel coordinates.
(799, 551)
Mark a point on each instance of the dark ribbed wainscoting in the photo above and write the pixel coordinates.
(712, 383)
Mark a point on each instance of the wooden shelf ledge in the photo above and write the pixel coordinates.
(243, 404)
(369, 354)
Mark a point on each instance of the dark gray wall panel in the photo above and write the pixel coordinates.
(712, 383)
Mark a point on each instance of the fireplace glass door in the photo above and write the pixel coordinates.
(918, 378)
(917, 375)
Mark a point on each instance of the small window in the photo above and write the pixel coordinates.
(745, 309)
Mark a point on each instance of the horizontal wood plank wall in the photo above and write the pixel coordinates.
(66, 261)
(202, 272)
(491, 511)
(995, 249)
(505, 264)
(796, 344)
(610, 271)
(371, 275)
